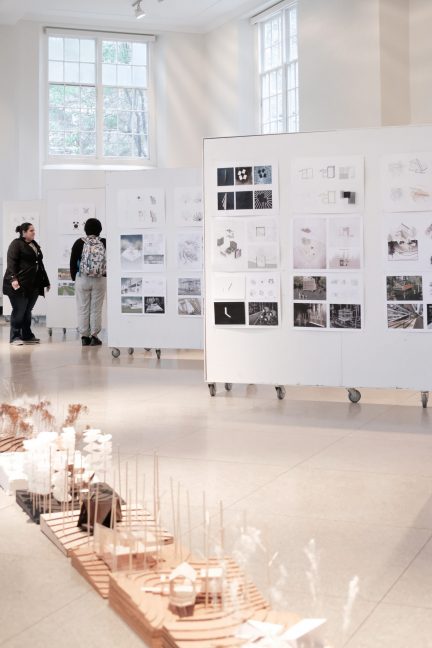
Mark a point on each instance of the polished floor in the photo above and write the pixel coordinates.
(356, 479)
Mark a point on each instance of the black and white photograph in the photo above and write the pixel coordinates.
(243, 175)
(264, 199)
(310, 315)
(132, 305)
(189, 306)
(154, 305)
(310, 288)
(189, 286)
(64, 274)
(402, 240)
(226, 200)
(131, 252)
(244, 200)
(309, 242)
(404, 288)
(429, 315)
(345, 316)
(263, 175)
(263, 313)
(66, 289)
(131, 286)
(225, 177)
(230, 313)
(405, 316)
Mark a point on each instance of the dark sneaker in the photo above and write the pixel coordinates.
(95, 341)
(33, 340)
(85, 341)
(17, 342)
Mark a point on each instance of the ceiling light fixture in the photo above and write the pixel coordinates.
(139, 12)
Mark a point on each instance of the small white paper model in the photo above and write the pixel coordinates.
(406, 182)
(228, 287)
(189, 246)
(247, 188)
(73, 216)
(328, 185)
(188, 206)
(12, 474)
(139, 208)
(131, 252)
(309, 243)
(229, 244)
(153, 251)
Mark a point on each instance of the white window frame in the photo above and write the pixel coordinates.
(283, 10)
(100, 160)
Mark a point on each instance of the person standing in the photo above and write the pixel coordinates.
(88, 270)
(24, 281)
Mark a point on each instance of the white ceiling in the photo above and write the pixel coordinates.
(170, 15)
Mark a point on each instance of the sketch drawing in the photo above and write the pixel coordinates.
(189, 286)
(229, 244)
(344, 288)
(309, 241)
(131, 285)
(263, 257)
(190, 249)
(188, 206)
(263, 287)
(228, 287)
(72, 217)
(154, 249)
(139, 208)
(406, 182)
(262, 230)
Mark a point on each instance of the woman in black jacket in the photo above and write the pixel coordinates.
(24, 280)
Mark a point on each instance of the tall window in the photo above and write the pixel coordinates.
(279, 71)
(98, 97)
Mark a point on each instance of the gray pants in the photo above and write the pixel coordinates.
(90, 293)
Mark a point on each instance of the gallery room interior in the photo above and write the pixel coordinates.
(216, 321)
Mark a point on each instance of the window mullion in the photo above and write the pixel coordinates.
(99, 101)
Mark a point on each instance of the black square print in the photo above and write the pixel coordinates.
(264, 199)
(230, 313)
(243, 175)
(225, 177)
(225, 200)
(263, 175)
(244, 199)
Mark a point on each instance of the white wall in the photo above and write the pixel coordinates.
(339, 64)
(421, 60)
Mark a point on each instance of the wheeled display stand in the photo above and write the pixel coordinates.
(374, 357)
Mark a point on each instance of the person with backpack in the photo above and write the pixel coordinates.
(88, 270)
(24, 281)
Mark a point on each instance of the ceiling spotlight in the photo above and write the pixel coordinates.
(139, 12)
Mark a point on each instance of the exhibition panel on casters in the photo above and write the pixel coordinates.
(374, 352)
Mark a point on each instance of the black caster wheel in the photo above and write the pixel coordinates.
(212, 389)
(147, 349)
(424, 399)
(64, 331)
(158, 353)
(280, 392)
(115, 353)
(50, 332)
(354, 395)
(228, 386)
(131, 351)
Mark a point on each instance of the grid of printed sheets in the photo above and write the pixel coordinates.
(326, 239)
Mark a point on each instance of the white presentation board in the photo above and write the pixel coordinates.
(389, 291)
(155, 249)
(66, 212)
(15, 213)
